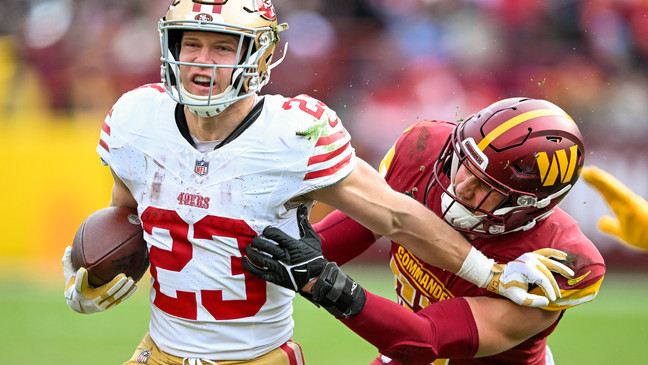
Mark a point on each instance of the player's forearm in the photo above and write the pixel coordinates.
(426, 235)
(365, 196)
(406, 221)
(444, 330)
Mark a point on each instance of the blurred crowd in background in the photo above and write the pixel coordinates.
(382, 65)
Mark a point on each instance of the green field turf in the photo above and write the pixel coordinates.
(38, 328)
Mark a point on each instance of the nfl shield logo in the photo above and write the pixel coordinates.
(144, 356)
(202, 167)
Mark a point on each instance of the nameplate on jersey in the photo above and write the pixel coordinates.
(202, 167)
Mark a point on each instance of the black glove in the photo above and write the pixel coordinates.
(290, 263)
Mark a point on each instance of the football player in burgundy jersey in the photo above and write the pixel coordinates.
(208, 163)
(497, 178)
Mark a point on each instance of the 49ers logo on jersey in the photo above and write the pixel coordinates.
(193, 200)
(265, 9)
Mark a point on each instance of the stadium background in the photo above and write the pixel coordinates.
(382, 65)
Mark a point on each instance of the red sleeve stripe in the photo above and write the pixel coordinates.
(106, 128)
(152, 86)
(328, 156)
(104, 145)
(158, 88)
(324, 141)
(330, 171)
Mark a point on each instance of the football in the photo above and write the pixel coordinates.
(109, 242)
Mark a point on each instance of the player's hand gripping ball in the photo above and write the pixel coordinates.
(110, 242)
(107, 257)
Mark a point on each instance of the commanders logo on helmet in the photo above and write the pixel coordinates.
(528, 151)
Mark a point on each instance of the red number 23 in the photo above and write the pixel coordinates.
(184, 305)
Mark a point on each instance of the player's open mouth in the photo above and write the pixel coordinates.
(203, 81)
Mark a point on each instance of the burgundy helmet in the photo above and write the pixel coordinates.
(528, 150)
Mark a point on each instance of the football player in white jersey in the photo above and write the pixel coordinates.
(209, 163)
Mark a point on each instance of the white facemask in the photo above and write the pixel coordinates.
(200, 105)
(458, 215)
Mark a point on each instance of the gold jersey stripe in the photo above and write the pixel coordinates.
(490, 137)
(386, 161)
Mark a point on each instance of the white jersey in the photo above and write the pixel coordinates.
(201, 210)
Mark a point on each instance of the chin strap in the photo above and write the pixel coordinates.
(198, 104)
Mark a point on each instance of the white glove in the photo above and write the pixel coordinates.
(512, 280)
(81, 297)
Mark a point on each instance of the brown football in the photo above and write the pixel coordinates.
(109, 242)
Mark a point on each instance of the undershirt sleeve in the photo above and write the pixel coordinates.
(342, 238)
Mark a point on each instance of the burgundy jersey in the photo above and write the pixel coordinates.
(407, 168)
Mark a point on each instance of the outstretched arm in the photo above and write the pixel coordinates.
(446, 329)
(368, 199)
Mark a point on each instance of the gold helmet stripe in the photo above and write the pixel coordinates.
(490, 137)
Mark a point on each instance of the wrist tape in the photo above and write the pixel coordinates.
(477, 268)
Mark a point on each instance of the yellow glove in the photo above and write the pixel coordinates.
(83, 298)
(631, 222)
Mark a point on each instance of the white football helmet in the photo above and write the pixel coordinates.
(254, 21)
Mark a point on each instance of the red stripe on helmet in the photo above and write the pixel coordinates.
(215, 9)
